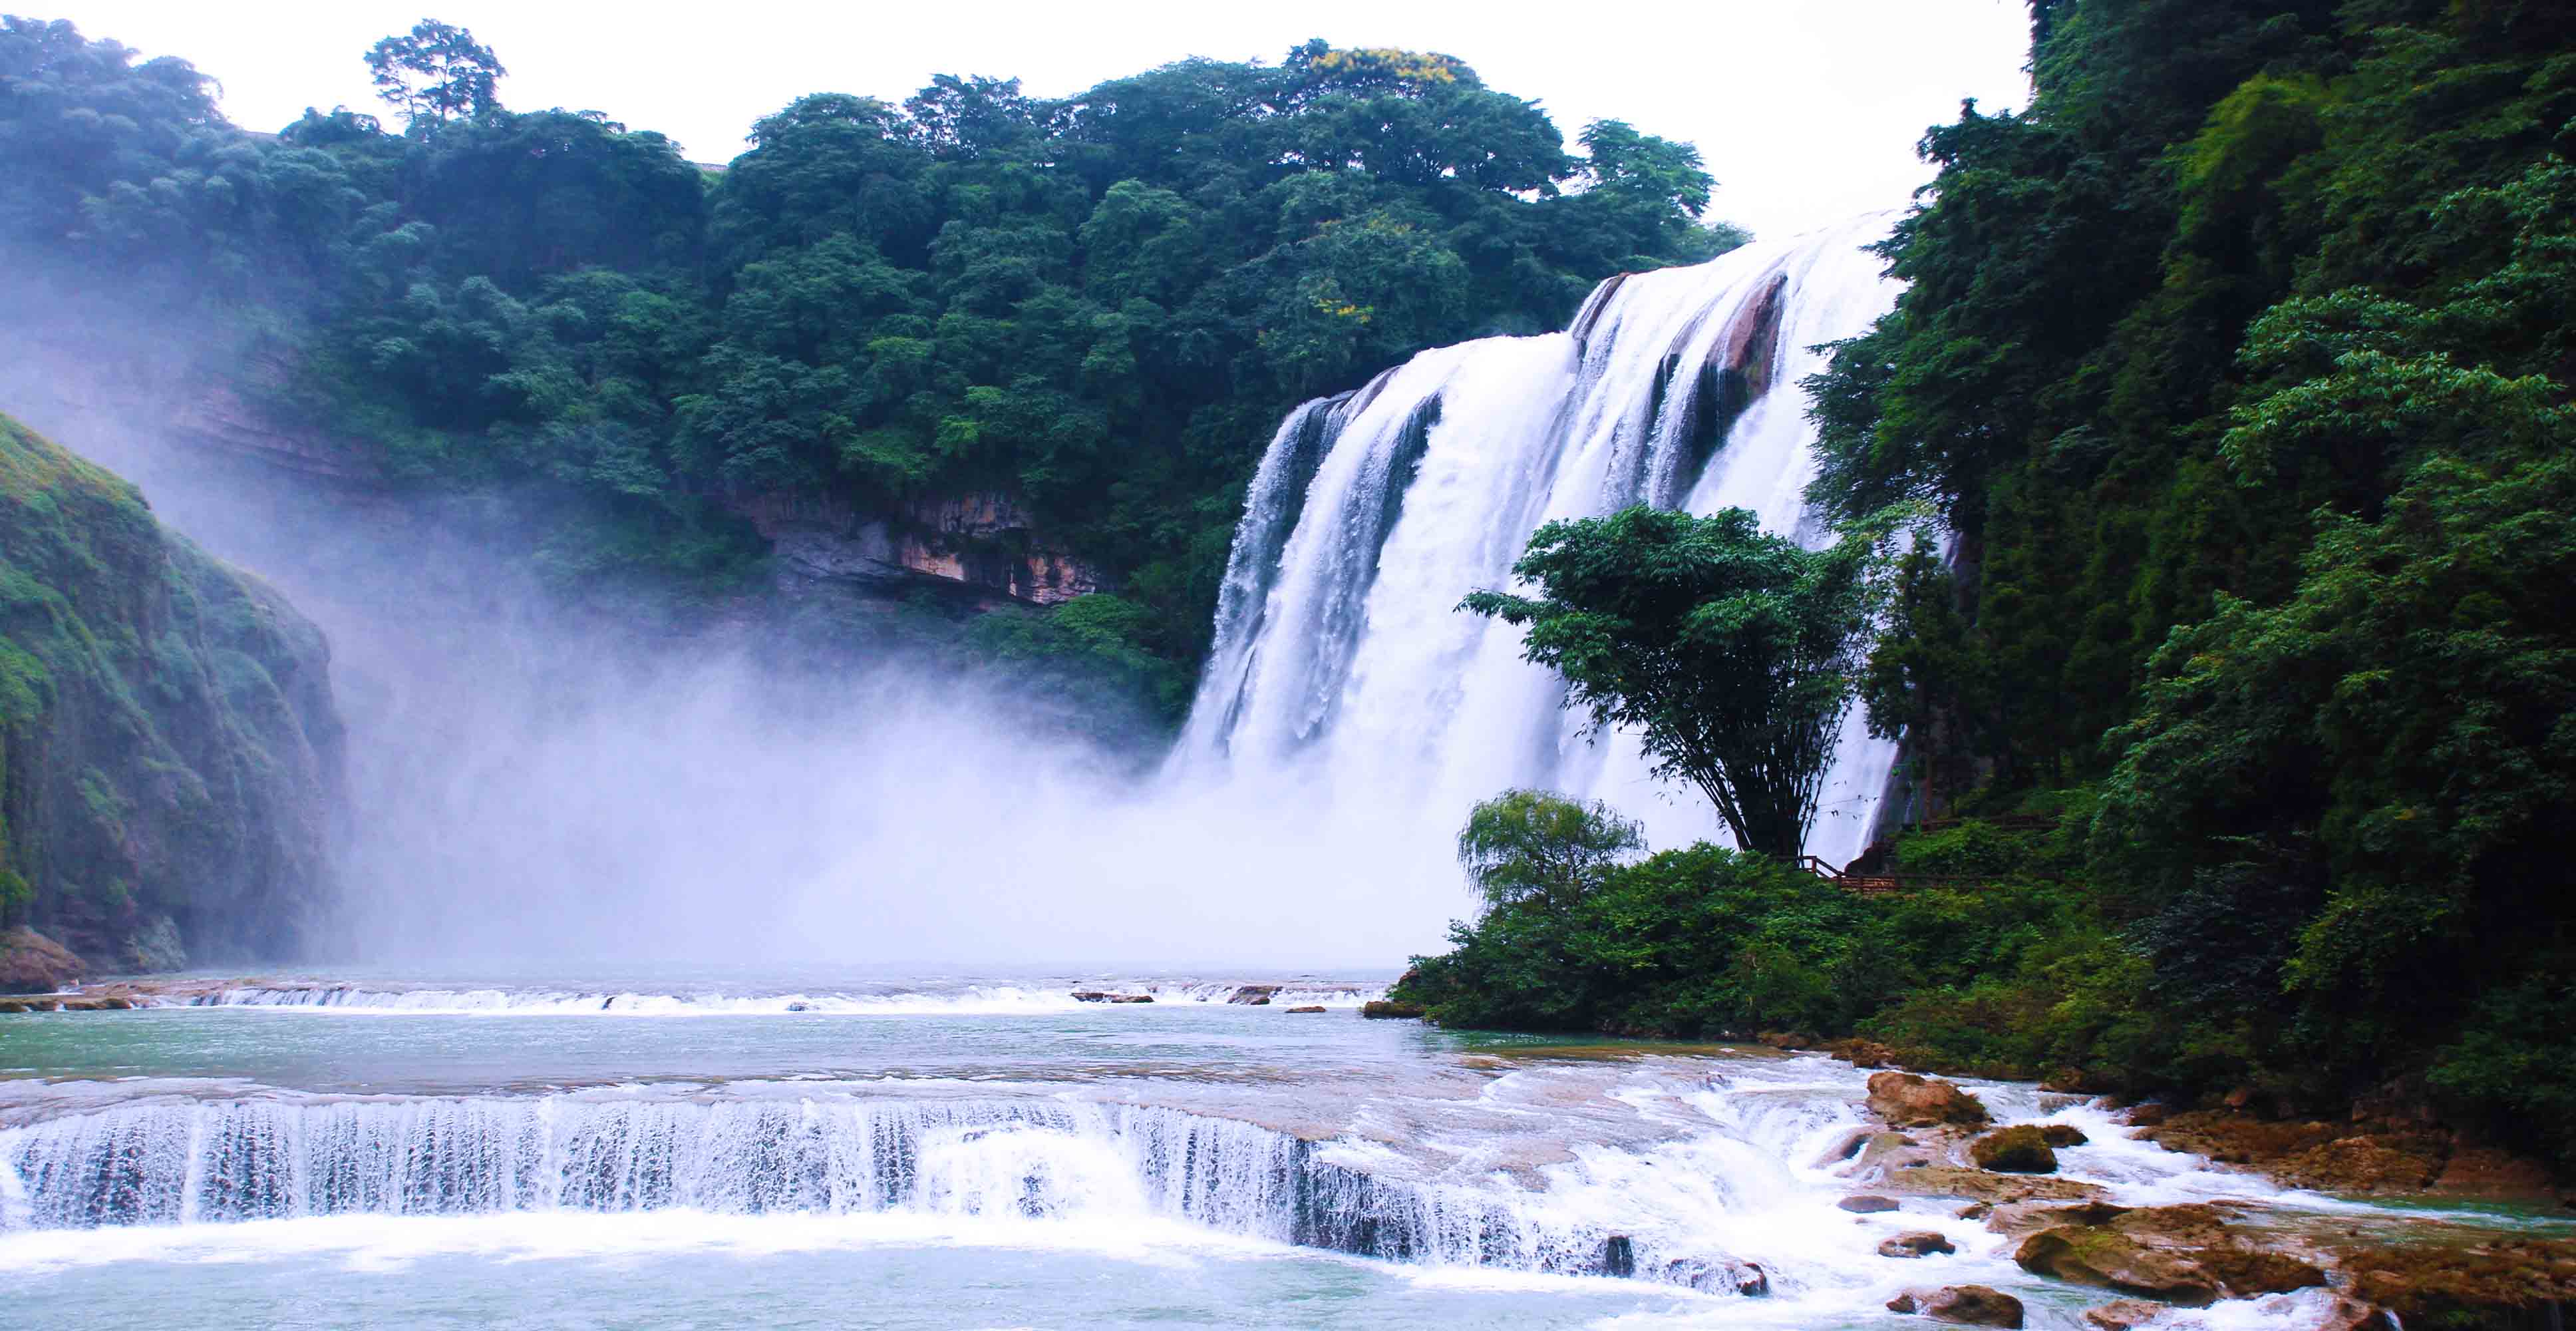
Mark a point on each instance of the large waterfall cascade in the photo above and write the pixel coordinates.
(1340, 660)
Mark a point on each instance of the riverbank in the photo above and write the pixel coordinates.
(2476, 1254)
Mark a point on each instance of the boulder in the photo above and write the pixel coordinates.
(2149, 1115)
(1388, 1010)
(2493, 1281)
(1978, 1185)
(1847, 1146)
(1253, 995)
(2481, 1171)
(1719, 1275)
(1864, 1204)
(2123, 1314)
(1907, 1100)
(2181, 1254)
(1915, 1243)
(1864, 1053)
(2021, 1150)
(2364, 1164)
(2061, 1135)
(31, 963)
(1885, 1152)
(1967, 1305)
(1311, 1007)
(2350, 1314)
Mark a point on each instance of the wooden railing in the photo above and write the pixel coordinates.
(1873, 884)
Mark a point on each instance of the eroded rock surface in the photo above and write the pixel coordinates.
(1908, 1100)
(1968, 1305)
(2187, 1254)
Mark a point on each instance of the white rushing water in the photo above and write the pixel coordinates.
(1340, 658)
(959, 1000)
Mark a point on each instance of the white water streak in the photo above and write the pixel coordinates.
(1344, 676)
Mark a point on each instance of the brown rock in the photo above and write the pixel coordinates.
(2062, 1134)
(1385, 1010)
(2349, 1314)
(2016, 1219)
(1915, 1243)
(2123, 1314)
(2149, 1115)
(2481, 1171)
(2181, 1254)
(1719, 1275)
(1907, 1100)
(2363, 1164)
(1865, 1204)
(1982, 1186)
(1849, 1145)
(1311, 1007)
(1968, 1305)
(2494, 1281)
(1884, 1152)
(1253, 995)
(31, 963)
(2018, 1150)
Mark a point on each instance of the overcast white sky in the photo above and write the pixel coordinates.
(1807, 110)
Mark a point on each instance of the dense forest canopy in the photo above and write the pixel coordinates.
(2240, 366)
(2233, 396)
(1098, 305)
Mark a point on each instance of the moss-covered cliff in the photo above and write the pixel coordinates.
(168, 749)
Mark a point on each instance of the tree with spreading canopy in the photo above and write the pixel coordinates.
(1732, 652)
(436, 72)
(1532, 845)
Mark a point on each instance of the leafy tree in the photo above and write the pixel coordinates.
(436, 72)
(1732, 652)
(1092, 308)
(1529, 845)
(1928, 679)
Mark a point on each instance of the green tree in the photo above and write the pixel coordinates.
(1530, 845)
(1732, 652)
(436, 72)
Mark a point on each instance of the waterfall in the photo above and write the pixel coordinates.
(200, 1162)
(1339, 659)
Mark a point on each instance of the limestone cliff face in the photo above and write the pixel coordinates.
(982, 545)
(983, 542)
(169, 752)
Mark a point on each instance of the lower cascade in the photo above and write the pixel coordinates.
(1338, 653)
(201, 1162)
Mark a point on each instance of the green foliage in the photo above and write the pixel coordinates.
(2509, 1069)
(1529, 845)
(1096, 307)
(1086, 644)
(1658, 947)
(166, 735)
(435, 72)
(1733, 652)
(2239, 367)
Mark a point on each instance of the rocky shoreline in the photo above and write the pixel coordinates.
(1938, 1141)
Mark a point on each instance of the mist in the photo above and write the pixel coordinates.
(542, 777)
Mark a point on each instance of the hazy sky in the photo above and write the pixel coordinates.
(1807, 110)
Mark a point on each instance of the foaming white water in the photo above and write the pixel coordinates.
(1343, 677)
(970, 1000)
(1732, 1201)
